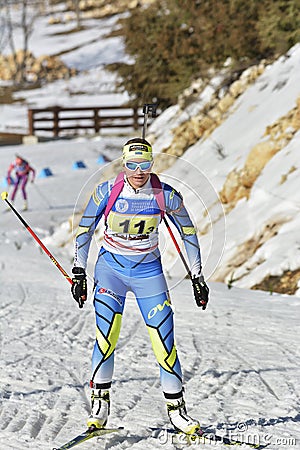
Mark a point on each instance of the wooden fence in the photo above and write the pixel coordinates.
(57, 119)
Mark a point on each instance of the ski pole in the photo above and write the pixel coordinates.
(4, 196)
(200, 302)
(178, 248)
(149, 108)
(145, 125)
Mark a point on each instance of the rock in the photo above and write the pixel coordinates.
(238, 184)
(225, 103)
(256, 161)
(44, 67)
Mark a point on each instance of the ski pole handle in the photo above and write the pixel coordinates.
(4, 196)
(148, 108)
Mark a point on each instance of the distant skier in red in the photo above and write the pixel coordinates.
(22, 170)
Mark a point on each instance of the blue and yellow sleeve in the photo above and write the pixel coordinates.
(88, 223)
(179, 216)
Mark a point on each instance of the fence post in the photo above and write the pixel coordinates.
(30, 122)
(135, 119)
(96, 120)
(55, 110)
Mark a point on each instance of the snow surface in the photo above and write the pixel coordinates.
(240, 357)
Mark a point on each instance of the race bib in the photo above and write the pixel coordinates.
(138, 224)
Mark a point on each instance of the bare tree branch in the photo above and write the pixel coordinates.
(18, 16)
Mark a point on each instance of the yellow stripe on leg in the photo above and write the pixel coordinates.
(108, 344)
(164, 358)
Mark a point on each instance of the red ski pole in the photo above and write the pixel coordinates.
(4, 196)
(178, 248)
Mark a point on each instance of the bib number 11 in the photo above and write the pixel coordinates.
(139, 225)
(133, 225)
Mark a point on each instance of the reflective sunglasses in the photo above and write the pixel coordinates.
(143, 166)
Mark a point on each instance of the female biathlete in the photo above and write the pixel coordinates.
(129, 260)
(22, 170)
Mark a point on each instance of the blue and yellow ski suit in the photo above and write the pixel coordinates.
(130, 260)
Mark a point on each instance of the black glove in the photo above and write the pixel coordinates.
(200, 291)
(79, 286)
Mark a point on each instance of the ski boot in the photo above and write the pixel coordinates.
(100, 403)
(25, 205)
(179, 418)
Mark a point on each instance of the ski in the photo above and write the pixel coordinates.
(202, 437)
(86, 435)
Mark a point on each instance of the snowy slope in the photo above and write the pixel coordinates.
(201, 174)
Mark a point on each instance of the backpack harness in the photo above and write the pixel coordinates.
(119, 184)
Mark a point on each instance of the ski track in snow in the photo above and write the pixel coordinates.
(46, 361)
(240, 360)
